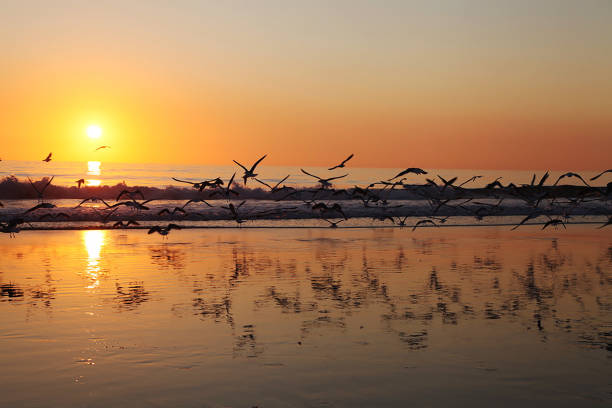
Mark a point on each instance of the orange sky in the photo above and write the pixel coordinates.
(464, 85)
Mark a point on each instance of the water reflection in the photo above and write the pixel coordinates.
(279, 299)
(93, 169)
(130, 296)
(93, 240)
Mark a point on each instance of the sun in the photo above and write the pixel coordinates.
(94, 131)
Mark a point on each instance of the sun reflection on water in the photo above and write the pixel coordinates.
(93, 169)
(93, 240)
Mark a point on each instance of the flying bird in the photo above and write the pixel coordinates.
(163, 231)
(80, 182)
(424, 222)
(601, 174)
(249, 173)
(131, 194)
(42, 190)
(414, 170)
(334, 224)
(569, 175)
(447, 183)
(48, 158)
(103, 147)
(41, 205)
(325, 183)
(554, 222)
(341, 165)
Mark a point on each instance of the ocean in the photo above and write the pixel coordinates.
(160, 175)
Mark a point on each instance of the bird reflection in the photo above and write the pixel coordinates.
(131, 295)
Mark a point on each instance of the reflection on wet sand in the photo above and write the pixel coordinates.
(93, 240)
(258, 292)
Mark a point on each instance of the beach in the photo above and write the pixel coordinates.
(282, 317)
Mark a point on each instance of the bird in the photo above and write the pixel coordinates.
(554, 222)
(38, 206)
(341, 165)
(414, 170)
(601, 174)
(275, 188)
(196, 200)
(93, 200)
(325, 183)
(469, 180)
(234, 210)
(570, 174)
(174, 211)
(421, 222)
(50, 215)
(216, 182)
(41, 191)
(131, 194)
(324, 208)
(401, 222)
(225, 191)
(132, 204)
(103, 147)
(79, 182)
(11, 227)
(494, 184)
(447, 183)
(48, 158)
(163, 231)
(248, 173)
(126, 224)
(334, 224)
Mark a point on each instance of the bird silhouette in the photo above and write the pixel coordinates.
(601, 174)
(414, 170)
(341, 165)
(325, 183)
(249, 173)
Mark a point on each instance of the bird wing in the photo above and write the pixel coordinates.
(348, 158)
(231, 180)
(36, 207)
(47, 185)
(543, 179)
(334, 178)
(265, 184)
(34, 186)
(257, 162)
(601, 174)
(401, 173)
(245, 169)
(311, 175)
(184, 181)
(278, 184)
(581, 179)
(156, 228)
(561, 177)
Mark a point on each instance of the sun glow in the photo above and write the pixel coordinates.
(94, 131)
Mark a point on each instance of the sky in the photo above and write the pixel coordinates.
(438, 84)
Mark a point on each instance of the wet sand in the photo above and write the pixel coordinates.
(307, 318)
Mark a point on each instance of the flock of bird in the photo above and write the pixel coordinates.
(319, 199)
